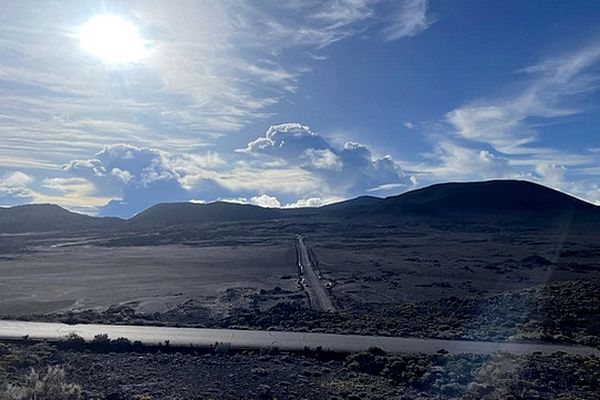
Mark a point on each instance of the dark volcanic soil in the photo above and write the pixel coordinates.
(370, 375)
(172, 375)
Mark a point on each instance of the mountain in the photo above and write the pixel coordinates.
(191, 213)
(362, 205)
(48, 218)
(497, 199)
(495, 195)
(481, 201)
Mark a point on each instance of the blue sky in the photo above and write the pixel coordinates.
(110, 107)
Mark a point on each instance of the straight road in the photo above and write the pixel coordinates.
(319, 298)
(286, 341)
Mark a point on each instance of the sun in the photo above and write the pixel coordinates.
(112, 39)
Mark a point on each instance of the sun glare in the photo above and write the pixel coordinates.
(112, 39)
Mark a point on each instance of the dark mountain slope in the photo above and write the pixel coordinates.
(49, 217)
(498, 199)
(354, 207)
(190, 214)
(480, 201)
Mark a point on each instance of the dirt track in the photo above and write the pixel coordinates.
(319, 298)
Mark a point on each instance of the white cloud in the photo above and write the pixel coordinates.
(288, 180)
(16, 179)
(74, 193)
(290, 136)
(134, 177)
(63, 185)
(289, 165)
(451, 161)
(316, 201)
(265, 200)
(386, 187)
(551, 90)
(121, 174)
(551, 174)
(343, 12)
(14, 188)
(409, 19)
(212, 69)
(322, 159)
(503, 123)
(137, 177)
(344, 172)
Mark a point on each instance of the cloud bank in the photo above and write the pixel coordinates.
(288, 166)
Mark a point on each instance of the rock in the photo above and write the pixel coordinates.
(260, 371)
(264, 392)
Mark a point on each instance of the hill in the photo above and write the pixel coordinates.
(48, 218)
(489, 197)
(484, 201)
(190, 214)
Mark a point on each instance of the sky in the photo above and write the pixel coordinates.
(109, 107)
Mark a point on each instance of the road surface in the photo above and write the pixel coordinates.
(286, 341)
(319, 298)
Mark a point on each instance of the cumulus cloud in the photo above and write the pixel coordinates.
(14, 188)
(16, 179)
(551, 174)
(313, 202)
(290, 166)
(322, 159)
(289, 139)
(140, 166)
(137, 176)
(267, 201)
(264, 200)
(344, 171)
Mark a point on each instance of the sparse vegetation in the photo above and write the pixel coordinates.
(497, 280)
(50, 385)
(562, 312)
(371, 375)
(500, 376)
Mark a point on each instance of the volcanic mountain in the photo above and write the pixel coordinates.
(504, 199)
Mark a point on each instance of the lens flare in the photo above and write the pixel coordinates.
(112, 39)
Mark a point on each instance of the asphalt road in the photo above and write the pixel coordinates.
(290, 341)
(319, 297)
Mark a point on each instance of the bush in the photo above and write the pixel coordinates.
(49, 386)
(101, 343)
(74, 341)
(366, 362)
(4, 349)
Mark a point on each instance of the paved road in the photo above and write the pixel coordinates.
(290, 341)
(319, 297)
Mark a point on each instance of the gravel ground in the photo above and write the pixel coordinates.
(175, 375)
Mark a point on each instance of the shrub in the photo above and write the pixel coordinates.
(49, 386)
(74, 341)
(366, 362)
(101, 343)
(4, 349)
